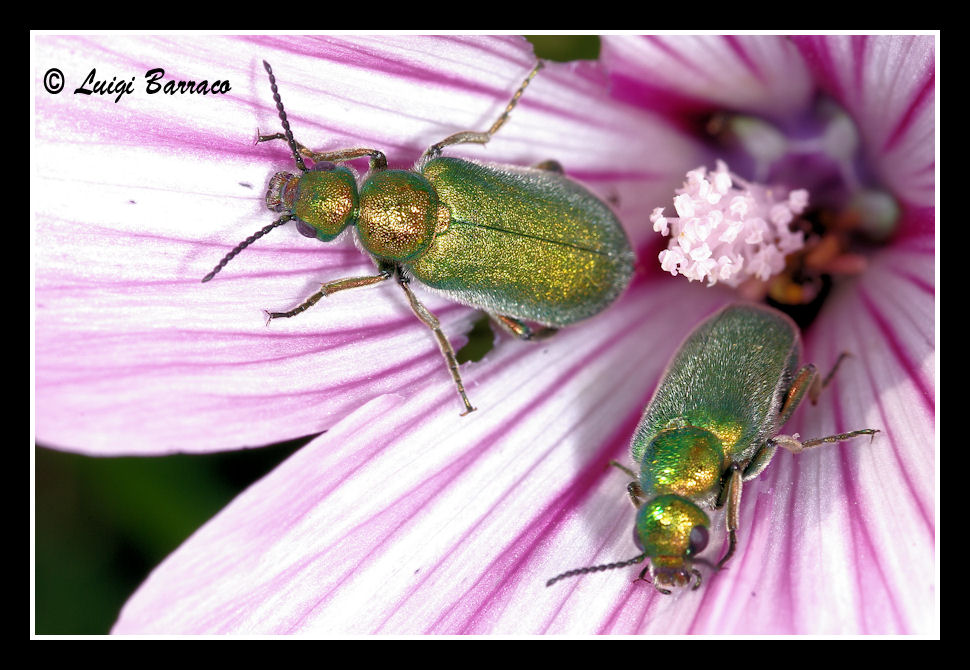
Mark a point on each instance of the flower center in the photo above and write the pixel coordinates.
(728, 230)
(803, 213)
(822, 153)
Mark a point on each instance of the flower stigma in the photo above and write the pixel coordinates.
(729, 230)
(766, 236)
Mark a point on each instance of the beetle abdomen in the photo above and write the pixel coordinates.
(727, 377)
(524, 242)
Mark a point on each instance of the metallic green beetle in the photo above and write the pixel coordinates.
(523, 244)
(711, 425)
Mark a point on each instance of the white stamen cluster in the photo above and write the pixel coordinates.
(728, 234)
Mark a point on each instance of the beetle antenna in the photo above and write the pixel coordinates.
(286, 124)
(245, 243)
(596, 568)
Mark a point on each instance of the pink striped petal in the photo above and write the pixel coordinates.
(835, 539)
(144, 196)
(686, 76)
(406, 518)
(888, 85)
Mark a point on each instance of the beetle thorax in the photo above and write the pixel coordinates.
(399, 215)
(684, 460)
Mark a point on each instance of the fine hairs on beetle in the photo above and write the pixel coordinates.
(526, 245)
(713, 423)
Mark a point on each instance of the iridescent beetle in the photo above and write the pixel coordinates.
(711, 425)
(523, 244)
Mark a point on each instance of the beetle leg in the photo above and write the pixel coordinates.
(807, 381)
(792, 444)
(332, 287)
(468, 136)
(625, 469)
(816, 388)
(731, 494)
(759, 461)
(633, 488)
(550, 165)
(697, 574)
(636, 494)
(521, 330)
(431, 321)
(804, 379)
(378, 161)
(642, 577)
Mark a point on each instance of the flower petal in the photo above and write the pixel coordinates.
(888, 84)
(406, 518)
(135, 356)
(384, 526)
(832, 539)
(689, 75)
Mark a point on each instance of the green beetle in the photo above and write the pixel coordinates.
(711, 425)
(523, 244)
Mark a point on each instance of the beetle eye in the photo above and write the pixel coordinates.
(305, 229)
(323, 166)
(698, 540)
(636, 539)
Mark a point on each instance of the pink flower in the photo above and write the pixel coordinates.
(404, 517)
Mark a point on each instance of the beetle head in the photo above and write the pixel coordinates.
(323, 200)
(671, 530)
